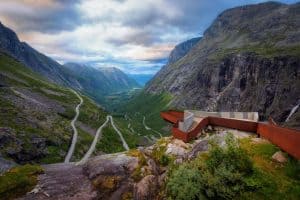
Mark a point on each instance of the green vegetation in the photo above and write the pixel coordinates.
(242, 170)
(18, 181)
(264, 50)
(158, 153)
(137, 174)
(83, 144)
(110, 141)
(27, 121)
(130, 116)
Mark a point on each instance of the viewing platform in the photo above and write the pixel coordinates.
(188, 125)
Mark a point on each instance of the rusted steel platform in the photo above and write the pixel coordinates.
(285, 138)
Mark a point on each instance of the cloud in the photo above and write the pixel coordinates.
(134, 35)
(47, 16)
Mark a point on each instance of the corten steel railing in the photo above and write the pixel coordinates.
(287, 139)
(172, 116)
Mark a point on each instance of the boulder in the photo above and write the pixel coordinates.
(175, 150)
(200, 147)
(146, 189)
(180, 143)
(279, 157)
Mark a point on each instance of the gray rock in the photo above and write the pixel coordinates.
(198, 148)
(146, 189)
(279, 157)
(6, 164)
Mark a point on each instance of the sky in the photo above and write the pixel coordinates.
(133, 35)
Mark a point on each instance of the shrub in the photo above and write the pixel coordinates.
(184, 183)
(222, 175)
(164, 160)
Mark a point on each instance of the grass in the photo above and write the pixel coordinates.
(150, 106)
(18, 181)
(264, 50)
(281, 181)
(83, 144)
(110, 141)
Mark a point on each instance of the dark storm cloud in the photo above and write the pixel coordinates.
(58, 16)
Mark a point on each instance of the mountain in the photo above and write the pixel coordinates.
(35, 117)
(247, 60)
(38, 62)
(182, 49)
(119, 80)
(142, 79)
(98, 82)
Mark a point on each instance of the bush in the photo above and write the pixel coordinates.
(164, 160)
(222, 175)
(184, 183)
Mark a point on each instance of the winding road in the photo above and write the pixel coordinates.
(93, 145)
(125, 145)
(75, 134)
(96, 138)
(99, 133)
(150, 129)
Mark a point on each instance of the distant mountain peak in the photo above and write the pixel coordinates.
(182, 49)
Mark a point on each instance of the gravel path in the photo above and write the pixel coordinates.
(75, 134)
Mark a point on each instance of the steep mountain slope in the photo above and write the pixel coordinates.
(35, 117)
(247, 60)
(98, 82)
(53, 71)
(182, 49)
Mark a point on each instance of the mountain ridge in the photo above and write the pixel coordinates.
(242, 53)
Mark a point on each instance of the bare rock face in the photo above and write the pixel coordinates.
(111, 175)
(146, 188)
(182, 49)
(62, 181)
(279, 157)
(17, 150)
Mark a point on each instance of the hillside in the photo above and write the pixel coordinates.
(31, 58)
(35, 119)
(247, 60)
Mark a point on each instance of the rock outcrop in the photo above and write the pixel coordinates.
(136, 174)
(247, 60)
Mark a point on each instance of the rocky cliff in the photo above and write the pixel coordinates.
(182, 49)
(247, 60)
